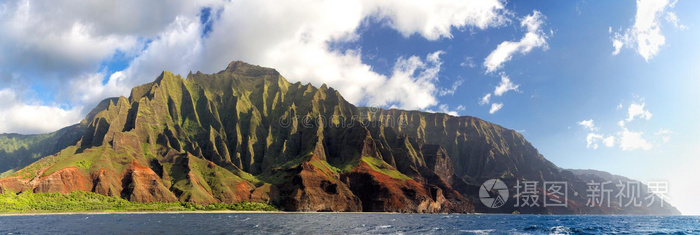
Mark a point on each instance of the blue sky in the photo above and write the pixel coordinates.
(568, 91)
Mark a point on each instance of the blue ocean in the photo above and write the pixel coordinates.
(342, 223)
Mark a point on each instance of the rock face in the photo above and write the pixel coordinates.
(316, 187)
(65, 180)
(246, 134)
(141, 184)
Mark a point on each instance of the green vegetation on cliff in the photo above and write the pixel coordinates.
(91, 202)
(384, 168)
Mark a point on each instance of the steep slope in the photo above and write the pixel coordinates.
(246, 134)
(202, 139)
(18, 151)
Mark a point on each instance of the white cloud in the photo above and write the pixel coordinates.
(672, 18)
(18, 116)
(59, 46)
(70, 37)
(298, 47)
(444, 108)
(633, 140)
(504, 86)
(617, 44)
(468, 62)
(630, 140)
(636, 110)
(664, 134)
(609, 141)
(451, 90)
(461, 108)
(495, 107)
(485, 100)
(645, 35)
(592, 140)
(68, 42)
(588, 124)
(535, 37)
(434, 19)
(625, 139)
(411, 86)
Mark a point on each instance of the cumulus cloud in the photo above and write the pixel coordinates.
(631, 140)
(70, 37)
(609, 141)
(299, 48)
(411, 86)
(588, 124)
(592, 140)
(625, 139)
(58, 48)
(636, 110)
(69, 42)
(534, 37)
(495, 107)
(444, 108)
(645, 35)
(504, 86)
(451, 90)
(434, 19)
(19, 116)
(485, 100)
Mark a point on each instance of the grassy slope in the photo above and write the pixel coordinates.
(91, 202)
(17, 151)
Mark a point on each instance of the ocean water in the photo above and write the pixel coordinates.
(340, 223)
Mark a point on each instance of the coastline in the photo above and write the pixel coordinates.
(275, 212)
(188, 212)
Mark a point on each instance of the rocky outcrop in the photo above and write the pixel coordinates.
(141, 184)
(265, 193)
(380, 192)
(65, 180)
(313, 186)
(105, 183)
(12, 185)
(437, 161)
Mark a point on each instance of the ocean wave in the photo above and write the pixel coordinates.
(478, 231)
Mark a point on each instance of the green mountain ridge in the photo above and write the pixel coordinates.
(246, 134)
(18, 151)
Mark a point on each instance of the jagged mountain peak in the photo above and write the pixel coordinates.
(247, 134)
(240, 67)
